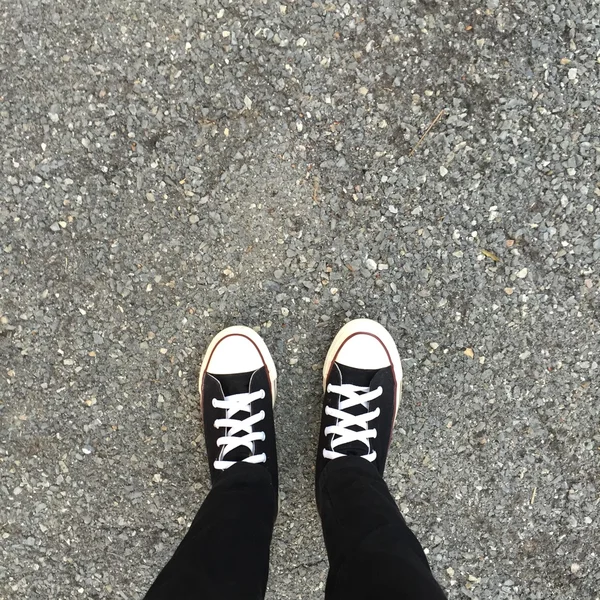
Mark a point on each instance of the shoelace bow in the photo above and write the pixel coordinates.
(230, 441)
(341, 431)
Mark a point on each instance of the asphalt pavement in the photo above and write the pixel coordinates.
(171, 168)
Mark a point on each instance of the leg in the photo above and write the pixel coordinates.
(372, 552)
(225, 554)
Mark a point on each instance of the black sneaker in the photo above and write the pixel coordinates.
(238, 385)
(362, 382)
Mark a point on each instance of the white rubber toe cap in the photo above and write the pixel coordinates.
(363, 351)
(234, 354)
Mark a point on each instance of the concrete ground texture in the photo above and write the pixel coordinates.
(171, 168)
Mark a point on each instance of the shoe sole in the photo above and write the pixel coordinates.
(369, 327)
(259, 344)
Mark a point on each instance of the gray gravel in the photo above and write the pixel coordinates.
(171, 168)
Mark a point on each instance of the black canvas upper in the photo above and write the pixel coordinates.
(219, 386)
(383, 424)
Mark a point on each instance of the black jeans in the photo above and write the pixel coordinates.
(372, 552)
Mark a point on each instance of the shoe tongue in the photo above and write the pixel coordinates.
(237, 383)
(362, 378)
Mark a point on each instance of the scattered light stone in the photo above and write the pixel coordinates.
(443, 171)
(509, 290)
(469, 352)
(301, 42)
(247, 102)
(363, 91)
(450, 571)
(371, 264)
(522, 273)
(434, 345)
(285, 311)
(393, 209)
(572, 74)
(194, 219)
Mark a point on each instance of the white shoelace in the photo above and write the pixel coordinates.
(230, 441)
(341, 430)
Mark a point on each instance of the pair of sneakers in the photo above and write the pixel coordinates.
(362, 378)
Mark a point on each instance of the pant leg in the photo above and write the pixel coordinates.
(225, 554)
(372, 552)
